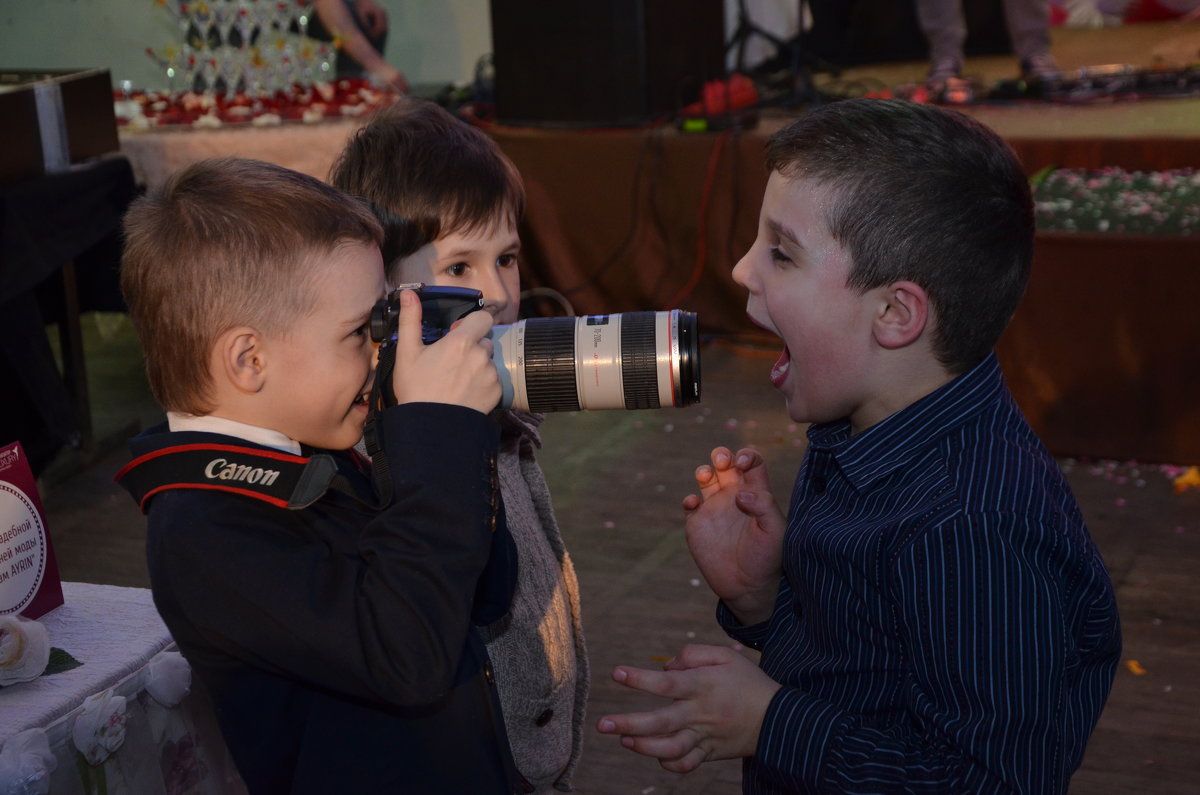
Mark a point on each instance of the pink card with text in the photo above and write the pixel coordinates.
(29, 581)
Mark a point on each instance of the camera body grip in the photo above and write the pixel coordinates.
(441, 307)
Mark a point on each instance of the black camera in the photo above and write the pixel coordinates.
(630, 360)
(440, 308)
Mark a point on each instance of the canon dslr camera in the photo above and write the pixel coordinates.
(630, 360)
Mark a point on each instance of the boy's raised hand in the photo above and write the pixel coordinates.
(456, 369)
(719, 699)
(735, 532)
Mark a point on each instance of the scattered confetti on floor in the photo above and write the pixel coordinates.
(1133, 474)
(1135, 668)
(1188, 480)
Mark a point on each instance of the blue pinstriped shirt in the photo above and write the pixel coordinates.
(944, 622)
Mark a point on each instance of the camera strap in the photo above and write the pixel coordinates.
(381, 397)
(281, 479)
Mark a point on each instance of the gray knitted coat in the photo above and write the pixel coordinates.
(538, 651)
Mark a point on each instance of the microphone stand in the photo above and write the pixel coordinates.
(801, 63)
(746, 29)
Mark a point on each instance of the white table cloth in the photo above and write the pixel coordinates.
(98, 743)
(307, 148)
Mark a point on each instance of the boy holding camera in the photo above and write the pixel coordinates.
(450, 201)
(932, 614)
(336, 636)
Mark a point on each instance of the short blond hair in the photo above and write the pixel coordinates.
(225, 243)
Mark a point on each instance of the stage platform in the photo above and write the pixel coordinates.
(1147, 134)
(653, 218)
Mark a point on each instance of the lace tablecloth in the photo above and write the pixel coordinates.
(307, 148)
(108, 724)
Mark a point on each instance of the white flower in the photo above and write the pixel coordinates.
(170, 678)
(100, 728)
(24, 650)
(210, 120)
(26, 764)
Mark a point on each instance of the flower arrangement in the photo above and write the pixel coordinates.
(147, 110)
(26, 654)
(1115, 200)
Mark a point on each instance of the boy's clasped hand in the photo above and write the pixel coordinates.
(735, 534)
(456, 369)
(718, 699)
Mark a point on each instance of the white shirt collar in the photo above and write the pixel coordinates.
(178, 421)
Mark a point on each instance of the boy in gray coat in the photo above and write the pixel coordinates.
(450, 202)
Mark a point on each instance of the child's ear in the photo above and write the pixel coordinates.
(242, 358)
(903, 315)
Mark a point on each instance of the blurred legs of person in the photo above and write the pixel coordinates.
(945, 28)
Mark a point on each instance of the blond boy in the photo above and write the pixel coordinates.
(336, 635)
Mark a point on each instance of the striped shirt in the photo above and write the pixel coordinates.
(944, 622)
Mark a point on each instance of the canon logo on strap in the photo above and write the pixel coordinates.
(221, 469)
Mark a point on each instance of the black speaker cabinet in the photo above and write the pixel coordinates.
(602, 62)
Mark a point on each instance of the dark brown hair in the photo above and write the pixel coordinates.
(225, 243)
(921, 194)
(428, 173)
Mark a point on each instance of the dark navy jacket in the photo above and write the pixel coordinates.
(336, 641)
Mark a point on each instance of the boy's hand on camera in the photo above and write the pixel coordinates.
(719, 699)
(457, 369)
(735, 532)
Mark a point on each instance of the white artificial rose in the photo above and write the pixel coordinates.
(170, 678)
(99, 728)
(24, 650)
(26, 763)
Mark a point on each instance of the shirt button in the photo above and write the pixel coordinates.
(818, 484)
(544, 718)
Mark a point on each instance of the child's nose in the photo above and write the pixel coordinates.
(741, 271)
(495, 294)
